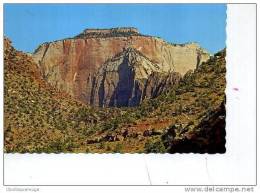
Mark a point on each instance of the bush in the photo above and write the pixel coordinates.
(154, 147)
(101, 145)
(108, 148)
(179, 109)
(112, 125)
(55, 147)
(118, 148)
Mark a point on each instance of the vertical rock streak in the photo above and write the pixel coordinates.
(117, 67)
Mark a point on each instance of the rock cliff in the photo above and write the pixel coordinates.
(115, 67)
(188, 118)
(128, 78)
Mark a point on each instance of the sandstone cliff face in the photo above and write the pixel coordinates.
(83, 66)
(128, 78)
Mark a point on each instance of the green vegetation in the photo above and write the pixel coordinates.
(118, 148)
(154, 147)
(38, 118)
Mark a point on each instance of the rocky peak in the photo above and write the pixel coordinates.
(132, 55)
(128, 78)
(113, 32)
(111, 67)
(131, 52)
(134, 60)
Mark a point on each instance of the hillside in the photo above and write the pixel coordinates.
(37, 117)
(188, 116)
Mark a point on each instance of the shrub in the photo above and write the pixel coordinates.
(118, 148)
(108, 148)
(101, 145)
(154, 147)
(179, 109)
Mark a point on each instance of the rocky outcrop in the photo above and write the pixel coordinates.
(128, 78)
(207, 137)
(117, 67)
(113, 32)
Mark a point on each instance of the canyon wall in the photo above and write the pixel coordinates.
(115, 70)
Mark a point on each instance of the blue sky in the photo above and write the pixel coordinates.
(29, 25)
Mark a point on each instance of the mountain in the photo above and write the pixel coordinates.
(162, 111)
(38, 117)
(128, 78)
(114, 67)
(187, 118)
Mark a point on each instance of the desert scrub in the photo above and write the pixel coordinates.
(156, 146)
(118, 148)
